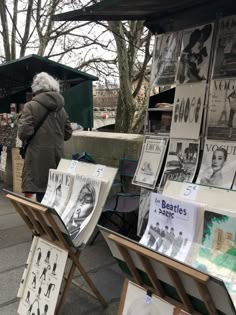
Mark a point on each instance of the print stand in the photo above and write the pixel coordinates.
(42, 223)
(183, 286)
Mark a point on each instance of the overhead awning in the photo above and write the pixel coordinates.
(159, 15)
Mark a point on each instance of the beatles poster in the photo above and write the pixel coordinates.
(181, 162)
(222, 108)
(171, 226)
(150, 161)
(218, 165)
(225, 58)
(217, 254)
(188, 110)
(195, 54)
(165, 58)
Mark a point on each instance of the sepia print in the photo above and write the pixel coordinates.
(225, 58)
(195, 54)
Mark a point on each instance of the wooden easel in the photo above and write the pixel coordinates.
(42, 223)
(153, 264)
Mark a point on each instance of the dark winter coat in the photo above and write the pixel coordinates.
(47, 146)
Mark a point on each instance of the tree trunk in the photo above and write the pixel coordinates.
(5, 31)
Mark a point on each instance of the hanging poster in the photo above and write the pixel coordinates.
(195, 54)
(181, 162)
(150, 161)
(225, 58)
(165, 58)
(217, 254)
(222, 108)
(171, 226)
(218, 165)
(144, 206)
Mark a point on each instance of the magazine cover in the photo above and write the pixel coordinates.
(225, 58)
(81, 205)
(150, 161)
(44, 279)
(195, 54)
(221, 111)
(218, 164)
(171, 226)
(58, 190)
(188, 109)
(165, 58)
(217, 254)
(181, 161)
(144, 206)
(136, 301)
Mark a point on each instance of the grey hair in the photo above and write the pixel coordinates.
(43, 82)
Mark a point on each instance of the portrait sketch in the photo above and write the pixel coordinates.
(188, 110)
(225, 51)
(221, 119)
(165, 58)
(181, 162)
(218, 165)
(195, 54)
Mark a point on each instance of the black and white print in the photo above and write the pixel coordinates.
(225, 52)
(221, 111)
(181, 162)
(150, 161)
(165, 58)
(188, 110)
(144, 206)
(218, 165)
(43, 281)
(195, 54)
(171, 226)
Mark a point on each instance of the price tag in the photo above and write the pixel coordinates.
(148, 297)
(189, 191)
(72, 166)
(99, 171)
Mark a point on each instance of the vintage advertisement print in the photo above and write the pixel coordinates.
(135, 301)
(222, 109)
(150, 161)
(195, 54)
(181, 162)
(225, 58)
(217, 254)
(218, 165)
(43, 281)
(171, 226)
(188, 109)
(165, 58)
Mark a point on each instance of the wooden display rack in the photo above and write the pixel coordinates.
(42, 222)
(189, 284)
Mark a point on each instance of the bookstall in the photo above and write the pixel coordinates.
(187, 166)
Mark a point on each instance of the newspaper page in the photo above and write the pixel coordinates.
(60, 187)
(171, 226)
(150, 161)
(144, 206)
(165, 58)
(222, 108)
(218, 165)
(44, 279)
(217, 253)
(225, 51)
(81, 205)
(188, 109)
(195, 54)
(181, 161)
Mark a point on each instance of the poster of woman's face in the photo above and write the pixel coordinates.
(165, 58)
(225, 57)
(195, 54)
(218, 165)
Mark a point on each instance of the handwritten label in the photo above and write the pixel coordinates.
(99, 171)
(189, 191)
(72, 166)
(148, 299)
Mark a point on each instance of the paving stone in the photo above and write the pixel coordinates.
(10, 281)
(14, 236)
(10, 220)
(10, 309)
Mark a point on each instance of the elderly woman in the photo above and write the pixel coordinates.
(47, 146)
